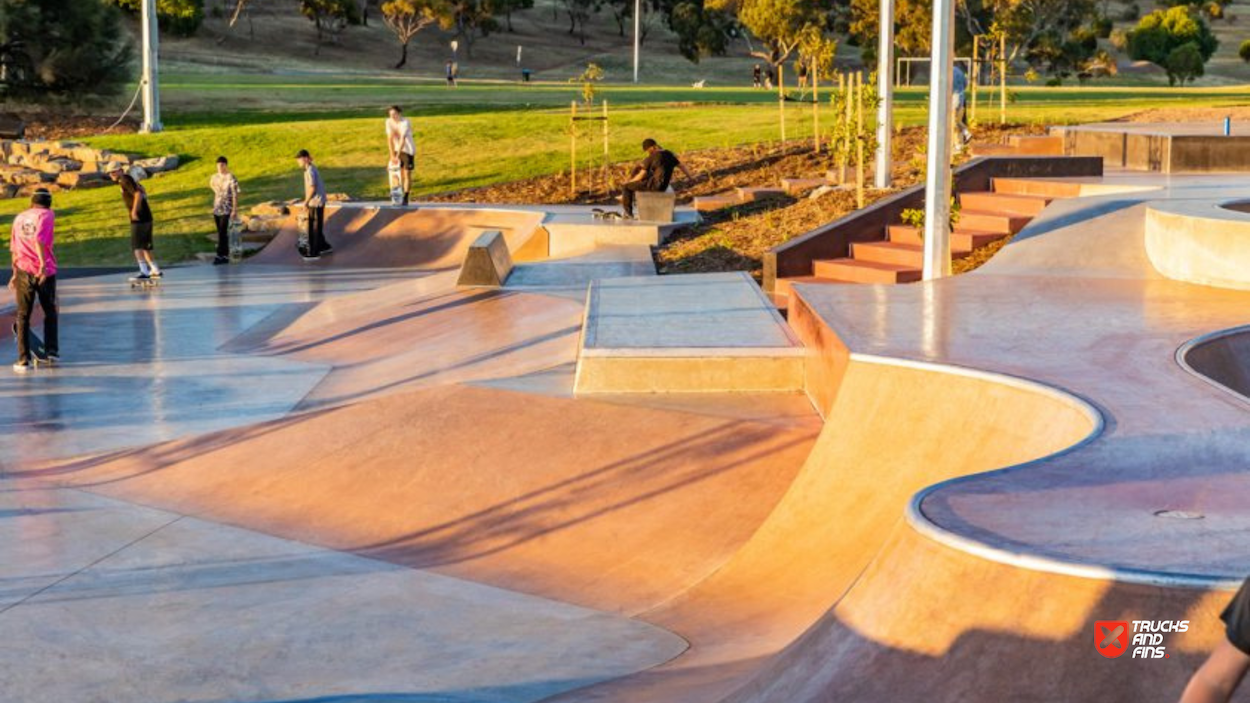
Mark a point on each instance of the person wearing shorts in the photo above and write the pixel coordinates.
(141, 240)
(1219, 676)
(401, 146)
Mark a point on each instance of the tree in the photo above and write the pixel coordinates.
(507, 7)
(780, 25)
(406, 18)
(62, 48)
(912, 29)
(579, 12)
(180, 17)
(1160, 34)
(468, 19)
(329, 16)
(701, 30)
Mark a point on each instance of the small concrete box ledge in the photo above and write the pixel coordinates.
(487, 262)
(657, 207)
(711, 332)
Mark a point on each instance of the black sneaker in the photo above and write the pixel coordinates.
(327, 250)
(141, 277)
(218, 261)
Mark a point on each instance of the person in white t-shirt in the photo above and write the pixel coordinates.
(402, 147)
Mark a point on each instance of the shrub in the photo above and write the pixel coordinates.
(1244, 51)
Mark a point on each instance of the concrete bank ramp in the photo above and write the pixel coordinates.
(371, 236)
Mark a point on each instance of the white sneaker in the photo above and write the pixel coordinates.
(21, 366)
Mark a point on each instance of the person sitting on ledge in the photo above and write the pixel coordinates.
(651, 176)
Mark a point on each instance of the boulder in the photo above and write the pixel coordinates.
(264, 223)
(271, 208)
(8, 191)
(27, 176)
(136, 172)
(58, 166)
(160, 164)
(82, 179)
(28, 189)
(338, 198)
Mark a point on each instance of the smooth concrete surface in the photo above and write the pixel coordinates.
(571, 234)
(1223, 358)
(122, 603)
(703, 332)
(1161, 147)
(487, 262)
(1200, 241)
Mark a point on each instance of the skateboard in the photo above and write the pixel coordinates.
(601, 214)
(396, 180)
(145, 283)
(38, 353)
(235, 237)
(301, 223)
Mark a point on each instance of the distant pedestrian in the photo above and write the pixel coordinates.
(1220, 675)
(452, 70)
(141, 239)
(34, 275)
(401, 146)
(315, 207)
(770, 78)
(653, 175)
(801, 70)
(757, 77)
(225, 189)
(959, 106)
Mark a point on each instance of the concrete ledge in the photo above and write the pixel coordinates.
(695, 333)
(1163, 148)
(572, 235)
(487, 261)
(1204, 242)
(657, 207)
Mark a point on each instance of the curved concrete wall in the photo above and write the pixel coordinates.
(1222, 358)
(1202, 242)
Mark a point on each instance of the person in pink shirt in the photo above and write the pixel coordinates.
(34, 274)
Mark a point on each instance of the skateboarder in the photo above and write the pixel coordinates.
(225, 207)
(402, 147)
(959, 105)
(315, 206)
(1217, 679)
(34, 275)
(651, 176)
(136, 199)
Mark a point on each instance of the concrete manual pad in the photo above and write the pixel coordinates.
(193, 611)
(702, 332)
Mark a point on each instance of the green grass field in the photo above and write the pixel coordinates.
(477, 134)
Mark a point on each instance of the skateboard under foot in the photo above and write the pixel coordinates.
(146, 283)
(601, 214)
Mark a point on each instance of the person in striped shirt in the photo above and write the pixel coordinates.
(225, 207)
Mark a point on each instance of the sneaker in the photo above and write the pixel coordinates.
(21, 366)
(141, 277)
(327, 249)
(157, 274)
(311, 258)
(219, 260)
(54, 358)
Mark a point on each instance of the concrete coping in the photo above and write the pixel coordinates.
(1205, 241)
(920, 522)
(1183, 354)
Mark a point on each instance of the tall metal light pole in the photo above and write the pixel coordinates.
(937, 194)
(151, 81)
(885, 93)
(637, 34)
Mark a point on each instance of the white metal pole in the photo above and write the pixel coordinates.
(151, 81)
(937, 195)
(637, 34)
(885, 94)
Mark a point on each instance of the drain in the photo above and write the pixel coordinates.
(1179, 514)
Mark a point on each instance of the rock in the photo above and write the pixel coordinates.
(27, 190)
(12, 126)
(8, 191)
(271, 208)
(26, 176)
(85, 154)
(82, 179)
(137, 173)
(160, 164)
(338, 198)
(264, 223)
(110, 166)
(58, 166)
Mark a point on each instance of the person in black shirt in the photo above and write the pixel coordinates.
(757, 77)
(653, 175)
(1217, 679)
(136, 199)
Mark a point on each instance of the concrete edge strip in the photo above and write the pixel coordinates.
(1182, 353)
(915, 517)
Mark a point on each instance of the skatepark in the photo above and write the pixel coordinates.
(360, 480)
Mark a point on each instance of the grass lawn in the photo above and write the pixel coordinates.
(477, 134)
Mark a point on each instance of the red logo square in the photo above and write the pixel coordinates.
(1111, 637)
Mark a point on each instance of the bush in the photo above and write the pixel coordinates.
(180, 17)
(1119, 39)
(1184, 63)
(1102, 26)
(1054, 82)
(1244, 51)
(62, 48)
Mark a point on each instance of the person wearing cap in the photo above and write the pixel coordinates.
(136, 199)
(225, 189)
(402, 147)
(34, 275)
(1219, 676)
(653, 175)
(315, 206)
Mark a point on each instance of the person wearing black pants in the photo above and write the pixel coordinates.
(315, 206)
(34, 276)
(652, 176)
(225, 207)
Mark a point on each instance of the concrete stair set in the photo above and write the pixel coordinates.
(985, 217)
(1043, 145)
